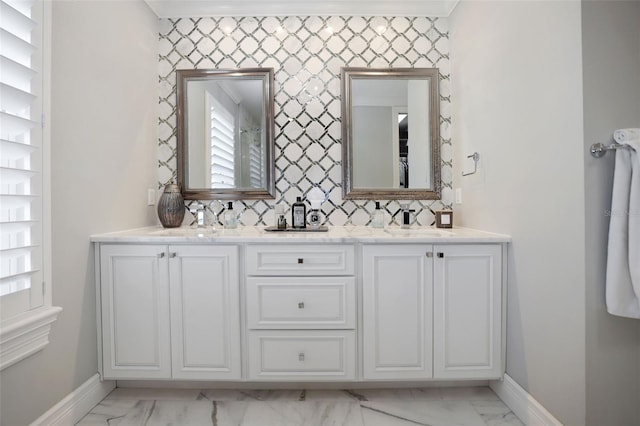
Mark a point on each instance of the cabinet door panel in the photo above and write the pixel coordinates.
(467, 311)
(396, 305)
(205, 316)
(135, 312)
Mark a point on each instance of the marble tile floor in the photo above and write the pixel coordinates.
(459, 406)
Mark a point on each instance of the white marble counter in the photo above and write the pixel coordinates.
(335, 234)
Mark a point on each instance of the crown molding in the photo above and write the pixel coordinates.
(201, 8)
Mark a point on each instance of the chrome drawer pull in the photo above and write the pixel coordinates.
(300, 305)
(301, 356)
(300, 260)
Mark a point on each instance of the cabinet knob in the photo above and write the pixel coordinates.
(172, 255)
(440, 254)
(429, 254)
(300, 260)
(301, 356)
(300, 305)
(161, 255)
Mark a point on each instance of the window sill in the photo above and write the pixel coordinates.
(26, 334)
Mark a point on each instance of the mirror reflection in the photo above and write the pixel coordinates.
(225, 133)
(390, 133)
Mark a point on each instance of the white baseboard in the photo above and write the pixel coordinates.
(523, 405)
(77, 404)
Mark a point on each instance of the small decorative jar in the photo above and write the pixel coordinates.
(171, 206)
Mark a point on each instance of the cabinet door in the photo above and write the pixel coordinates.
(205, 317)
(135, 311)
(468, 311)
(397, 316)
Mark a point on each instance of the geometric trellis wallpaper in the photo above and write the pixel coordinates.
(305, 51)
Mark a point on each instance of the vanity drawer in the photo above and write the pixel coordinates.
(301, 302)
(307, 259)
(303, 355)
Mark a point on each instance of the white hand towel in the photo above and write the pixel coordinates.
(626, 135)
(623, 258)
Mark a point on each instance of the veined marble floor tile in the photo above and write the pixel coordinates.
(183, 413)
(295, 413)
(469, 394)
(412, 394)
(358, 407)
(496, 413)
(155, 394)
(427, 413)
(108, 413)
(252, 395)
(243, 413)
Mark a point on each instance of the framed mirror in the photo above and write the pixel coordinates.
(390, 133)
(225, 134)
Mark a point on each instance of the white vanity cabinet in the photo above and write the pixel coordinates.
(170, 311)
(354, 304)
(301, 312)
(432, 311)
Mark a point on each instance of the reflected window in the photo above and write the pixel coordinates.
(222, 123)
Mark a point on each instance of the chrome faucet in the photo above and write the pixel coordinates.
(198, 210)
(406, 215)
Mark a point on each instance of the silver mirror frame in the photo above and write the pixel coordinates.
(267, 76)
(348, 191)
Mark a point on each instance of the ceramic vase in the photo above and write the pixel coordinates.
(171, 206)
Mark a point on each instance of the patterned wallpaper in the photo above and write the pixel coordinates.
(305, 51)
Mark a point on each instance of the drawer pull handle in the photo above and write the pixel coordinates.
(440, 254)
(301, 356)
(172, 255)
(161, 255)
(300, 260)
(300, 305)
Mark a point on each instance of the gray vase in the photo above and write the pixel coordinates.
(171, 206)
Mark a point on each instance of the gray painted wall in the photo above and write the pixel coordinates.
(517, 101)
(611, 75)
(563, 348)
(104, 142)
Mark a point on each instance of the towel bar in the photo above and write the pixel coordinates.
(599, 150)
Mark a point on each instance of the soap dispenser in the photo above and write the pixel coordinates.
(298, 214)
(377, 217)
(230, 218)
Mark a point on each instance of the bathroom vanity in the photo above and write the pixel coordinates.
(350, 304)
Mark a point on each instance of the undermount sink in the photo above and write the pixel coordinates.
(418, 232)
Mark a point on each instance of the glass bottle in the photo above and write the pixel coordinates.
(377, 218)
(230, 218)
(314, 218)
(298, 214)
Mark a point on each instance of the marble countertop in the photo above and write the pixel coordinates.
(335, 234)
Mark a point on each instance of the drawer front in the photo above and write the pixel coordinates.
(297, 355)
(307, 259)
(301, 302)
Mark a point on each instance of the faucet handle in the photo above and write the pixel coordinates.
(194, 208)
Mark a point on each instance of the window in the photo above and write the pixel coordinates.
(23, 195)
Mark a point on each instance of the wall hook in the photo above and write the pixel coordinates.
(475, 157)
